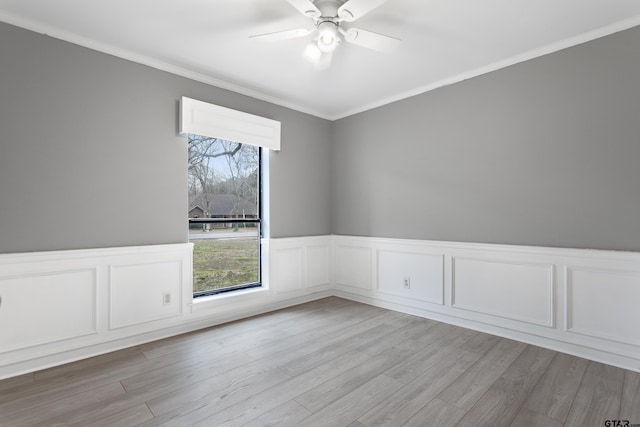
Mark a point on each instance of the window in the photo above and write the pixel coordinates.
(224, 214)
(225, 193)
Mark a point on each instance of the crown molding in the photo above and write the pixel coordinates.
(149, 61)
(77, 39)
(504, 63)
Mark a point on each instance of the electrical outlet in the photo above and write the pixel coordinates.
(407, 282)
(166, 299)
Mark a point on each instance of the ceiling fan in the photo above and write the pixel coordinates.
(328, 17)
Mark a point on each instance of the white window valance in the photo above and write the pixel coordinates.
(203, 118)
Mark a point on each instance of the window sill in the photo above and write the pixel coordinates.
(225, 298)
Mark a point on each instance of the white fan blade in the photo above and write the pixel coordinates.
(306, 7)
(282, 35)
(371, 40)
(324, 62)
(354, 9)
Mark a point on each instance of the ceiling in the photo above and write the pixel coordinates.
(443, 41)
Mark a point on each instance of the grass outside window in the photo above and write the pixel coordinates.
(220, 263)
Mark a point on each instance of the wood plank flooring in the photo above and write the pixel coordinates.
(331, 362)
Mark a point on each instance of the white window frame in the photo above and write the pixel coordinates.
(203, 118)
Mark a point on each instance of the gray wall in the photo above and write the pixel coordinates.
(546, 153)
(90, 157)
(541, 153)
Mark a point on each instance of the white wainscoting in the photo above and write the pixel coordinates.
(299, 265)
(423, 273)
(582, 302)
(63, 305)
(60, 306)
(511, 290)
(35, 307)
(357, 272)
(603, 304)
(137, 292)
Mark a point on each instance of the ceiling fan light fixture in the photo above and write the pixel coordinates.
(312, 52)
(328, 36)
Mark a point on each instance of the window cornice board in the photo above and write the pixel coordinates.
(203, 118)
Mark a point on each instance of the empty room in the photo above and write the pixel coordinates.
(319, 213)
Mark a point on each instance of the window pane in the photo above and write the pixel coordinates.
(224, 184)
(223, 178)
(225, 257)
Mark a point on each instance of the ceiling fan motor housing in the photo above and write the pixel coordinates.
(328, 8)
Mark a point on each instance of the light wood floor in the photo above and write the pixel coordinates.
(331, 362)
